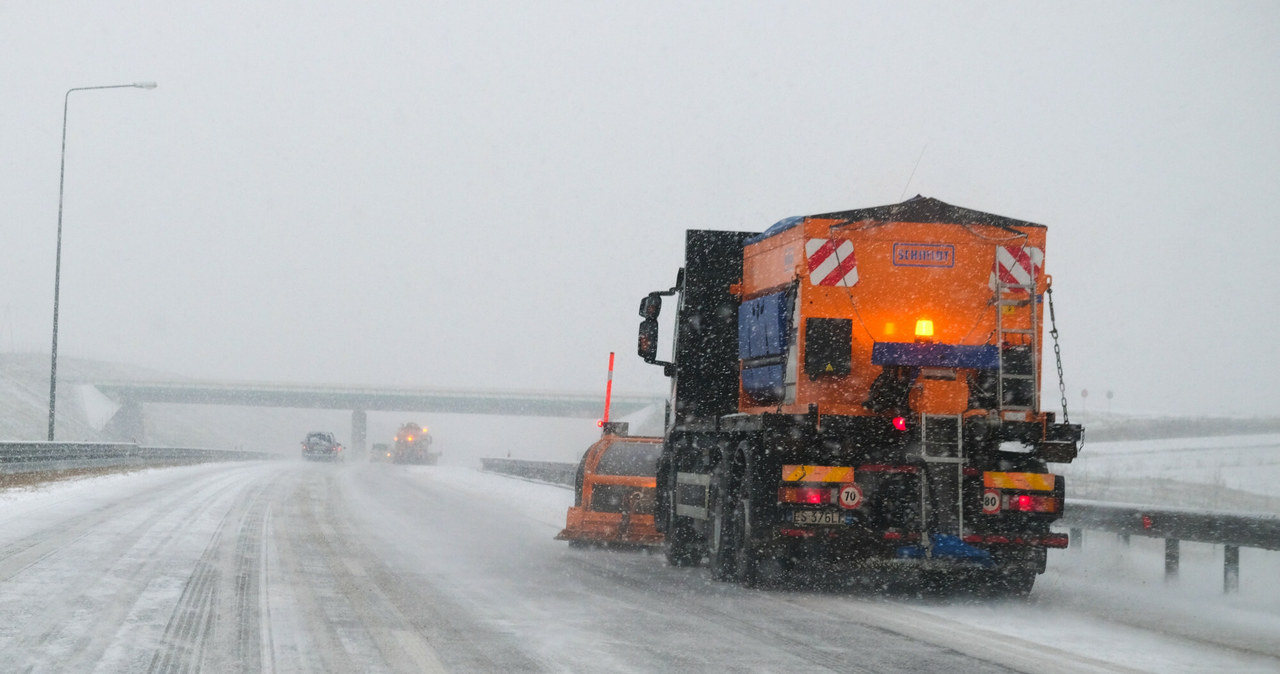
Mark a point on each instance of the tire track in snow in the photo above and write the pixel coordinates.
(134, 553)
(216, 621)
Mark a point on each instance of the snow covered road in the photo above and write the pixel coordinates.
(286, 566)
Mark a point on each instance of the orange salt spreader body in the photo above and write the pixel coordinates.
(881, 292)
(614, 491)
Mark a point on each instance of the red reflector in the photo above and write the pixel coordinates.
(892, 536)
(1055, 541)
(900, 423)
(972, 539)
(795, 532)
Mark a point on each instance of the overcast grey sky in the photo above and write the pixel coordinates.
(474, 194)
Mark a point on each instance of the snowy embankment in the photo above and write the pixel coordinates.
(1231, 473)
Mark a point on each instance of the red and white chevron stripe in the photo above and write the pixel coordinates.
(831, 262)
(1019, 265)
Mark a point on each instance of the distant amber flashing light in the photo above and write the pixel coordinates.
(924, 328)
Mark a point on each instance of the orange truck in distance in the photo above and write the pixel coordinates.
(413, 445)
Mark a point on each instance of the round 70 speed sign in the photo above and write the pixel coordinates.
(850, 496)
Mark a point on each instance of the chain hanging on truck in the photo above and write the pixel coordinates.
(1057, 351)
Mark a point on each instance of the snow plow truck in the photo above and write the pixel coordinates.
(614, 491)
(413, 445)
(859, 392)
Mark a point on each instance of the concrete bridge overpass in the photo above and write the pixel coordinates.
(128, 421)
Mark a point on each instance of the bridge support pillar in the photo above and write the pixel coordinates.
(1230, 568)
(127, 424)
(359, 429)
(1170, 560)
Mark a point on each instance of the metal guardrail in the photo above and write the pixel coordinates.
(1230, 530)
(31, 457)
(553, 472)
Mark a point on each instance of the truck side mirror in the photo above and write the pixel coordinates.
(651, 306)
(647, 344)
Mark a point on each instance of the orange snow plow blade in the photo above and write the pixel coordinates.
(614, 492)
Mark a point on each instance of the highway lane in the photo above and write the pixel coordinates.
(295, 567)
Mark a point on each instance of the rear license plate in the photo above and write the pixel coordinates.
(817, 517)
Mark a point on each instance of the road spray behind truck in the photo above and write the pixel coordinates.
(860, 390)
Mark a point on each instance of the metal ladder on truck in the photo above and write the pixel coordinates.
(1018, 382)
(941, 485)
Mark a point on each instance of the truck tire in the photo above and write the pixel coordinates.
(680, 545)
(746, 558)
(722, 553)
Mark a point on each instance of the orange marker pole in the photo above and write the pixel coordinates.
(608, 389)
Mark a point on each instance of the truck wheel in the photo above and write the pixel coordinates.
(723, 556)
(680, 545)
(746, 559)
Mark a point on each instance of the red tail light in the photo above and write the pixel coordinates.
(1031, 504)
(900, 423)
(805, 495)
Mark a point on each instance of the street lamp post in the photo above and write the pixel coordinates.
(57, 268)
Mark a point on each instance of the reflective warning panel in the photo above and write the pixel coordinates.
(817, 473)
(1024, 481)
(1018, 265)
(831, 262)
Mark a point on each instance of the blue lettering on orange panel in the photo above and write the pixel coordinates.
(924, 255)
